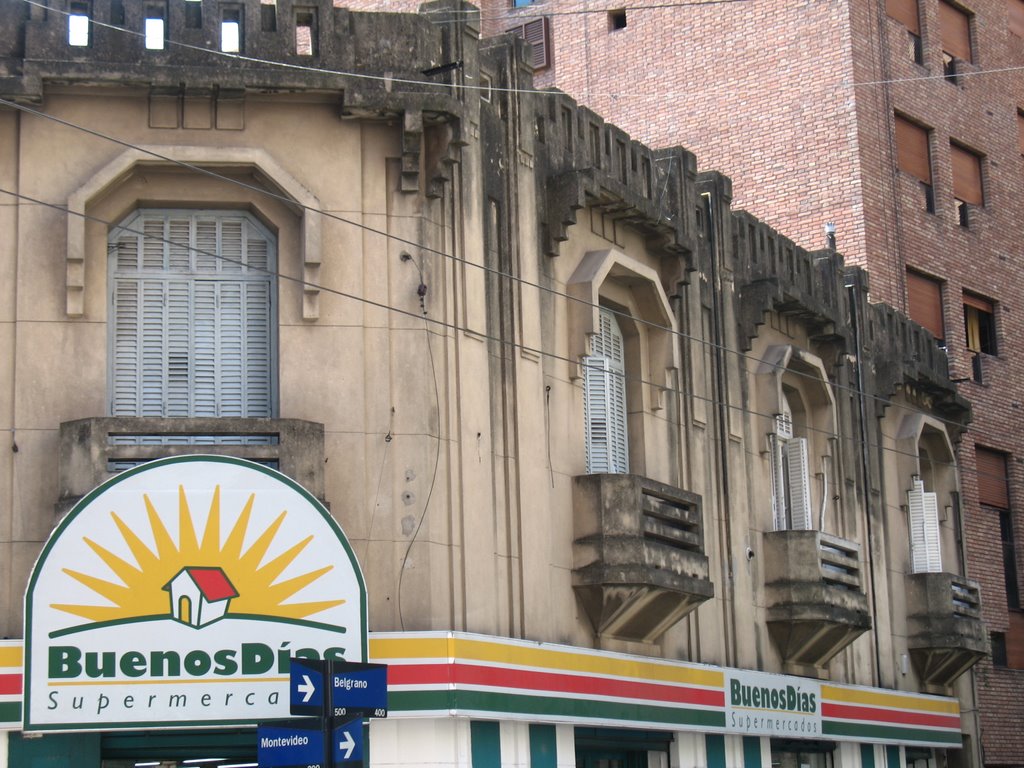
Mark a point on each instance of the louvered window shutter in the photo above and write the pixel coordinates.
(925, 550)
(798, 494)
(193, 332)
(604, 400)
(778, 483)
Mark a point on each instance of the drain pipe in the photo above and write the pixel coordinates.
(852, 289)
(723, 411)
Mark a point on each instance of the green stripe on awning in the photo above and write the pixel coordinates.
(10, 712)
(890, 733)
(585, 708)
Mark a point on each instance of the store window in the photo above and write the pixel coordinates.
(798, 753)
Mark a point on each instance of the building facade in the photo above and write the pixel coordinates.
(616, 474)
(899, 124)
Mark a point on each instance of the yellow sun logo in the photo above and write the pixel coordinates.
(144, 584)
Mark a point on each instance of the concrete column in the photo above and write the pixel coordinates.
(689, 750)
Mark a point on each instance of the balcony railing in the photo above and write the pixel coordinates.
(946, 636)
(639, 563)
(816, 600)
(95, 449)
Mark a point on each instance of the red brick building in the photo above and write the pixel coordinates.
(899, 121)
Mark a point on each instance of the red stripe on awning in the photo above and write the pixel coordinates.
(10, 684)
(876, 714)
(499, 677)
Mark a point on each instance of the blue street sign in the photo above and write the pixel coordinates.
(290, 746)
(348, 742)
(306, 687)
(359, 690)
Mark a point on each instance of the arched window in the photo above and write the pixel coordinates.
(604, 399)
(192, 320)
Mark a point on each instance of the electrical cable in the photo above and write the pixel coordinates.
(441, 324)
(421, 291)
(394, 238)
(664, 94)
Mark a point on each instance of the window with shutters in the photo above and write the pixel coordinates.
(537, 34)
(967, 183)
(907, 13)
(621, 337)
(604, 399)
(924, 304)
(980, 330)
(1015, 16)
(925, 544)
(994, 497)
(793, 385)
(913, 156)
(192, 329)
(955, 34)
(923, 462)
(791, 485)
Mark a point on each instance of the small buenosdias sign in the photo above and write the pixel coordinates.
(175, 593)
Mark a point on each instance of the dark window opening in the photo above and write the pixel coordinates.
(1009, 559)
(949, 68)
(998, 640)
(616, 20)
(194, 14)
(117, 12)
(268, 17)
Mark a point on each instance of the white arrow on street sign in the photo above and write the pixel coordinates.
(347, 745)
(307, 688)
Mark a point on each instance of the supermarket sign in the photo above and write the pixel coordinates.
(176, 593)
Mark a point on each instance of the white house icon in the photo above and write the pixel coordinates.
(200, 595)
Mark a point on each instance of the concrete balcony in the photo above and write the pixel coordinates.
(95, 449)
(945, 634)
(815, 597)
(638, 558)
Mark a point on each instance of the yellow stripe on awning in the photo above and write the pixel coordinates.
(894, 700)
(11, 656)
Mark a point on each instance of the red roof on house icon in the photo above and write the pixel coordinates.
(212, 583)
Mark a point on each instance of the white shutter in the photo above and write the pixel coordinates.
(604, 399)
(125, 343)
(778, 468)
(925, 549)
(595, 413)
(191, 336)
(799, 486)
